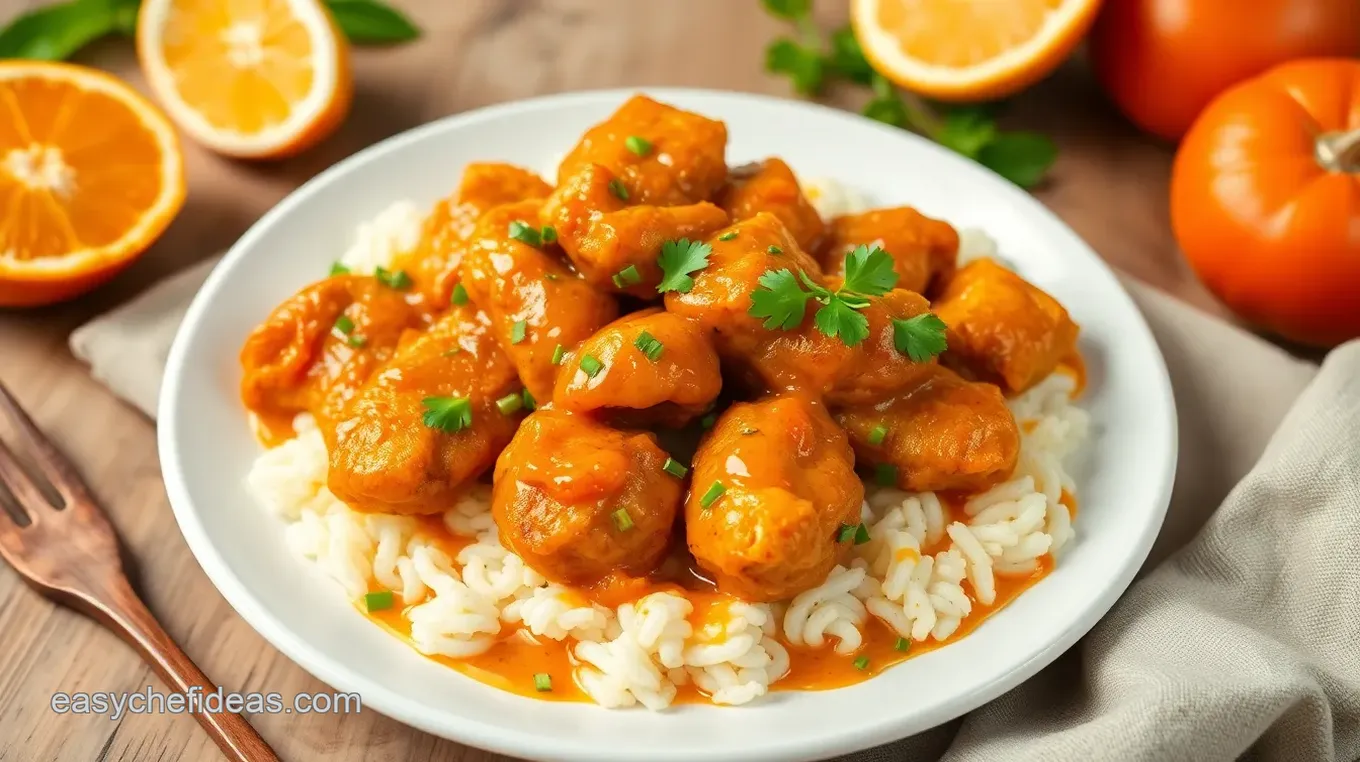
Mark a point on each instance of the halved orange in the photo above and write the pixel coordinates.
(90, 175)
(247, 78)
(969, 50)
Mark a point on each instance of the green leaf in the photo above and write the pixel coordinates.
(966, 131)
(1021, 157)
(56, 32)
(888, 110)
(790, 10)
(803, 66)
(837, 318)
(869, 271)
(921, 337)
(372, 22)
(678, 260)
(779, 300)
(847, 58)
(125, 16)
(447, 414)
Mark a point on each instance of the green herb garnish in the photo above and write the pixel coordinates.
(728, 236)
(628, 276)
(344, 325)
(714, 492)
(649, 346)
(379, 600)
(921, 337)
(774, 249)
(678, 261)
(530, 403)
(622, 520)
(356, 341)
(522, 232)
(338, 268)
(548, 235)
(902, 644)
(617, 188)
(542, 682)
(674, 468)
(877, 436)
(559, 352)
(862, 663)
(447, 414)
(861, 534)
(518, 331)
(510, 404)
(846, 533)
(707, 421)
(397, 279)
(638, 145)
(591, 366)
(459, 295)
(885, 474)
(782, 300)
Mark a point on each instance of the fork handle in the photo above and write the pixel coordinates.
(125, 613)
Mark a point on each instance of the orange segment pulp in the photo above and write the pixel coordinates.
(249, 78)
(90, 175)
(969, 49)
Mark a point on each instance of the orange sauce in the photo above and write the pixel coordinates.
(272, 430)
(1074, 365)
(512, 663)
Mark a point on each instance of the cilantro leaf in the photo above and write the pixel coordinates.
(1021, 157)
(678, 259)
(966, 131)
(447, 414)
(847, 57)
(869, 271)
(838, 318)
(791, 10)
(803, 65)
(921, 337)
(780, 300)
(368, 22)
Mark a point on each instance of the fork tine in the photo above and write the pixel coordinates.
(20, 484)
(59, 471)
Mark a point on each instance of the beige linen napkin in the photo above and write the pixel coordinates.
(1245, 643)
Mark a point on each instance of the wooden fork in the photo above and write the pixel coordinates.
(69, 552)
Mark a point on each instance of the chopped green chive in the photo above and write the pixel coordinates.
(862, 663)
(622, 520)
(459, 295)
(775, 249)
(338, 268)
(628, 276)
(344, 325)
(518, 331)
(378, 601)
(616, 187)
(510, 404)
(861, 534)
(355, 341)
(711, 496)
(530, 403)
(447, 414)
(542, 682)
(877, 436)
(638, 145)
(520, 231)
(902, 644)
(729, 235)
(885, 474)
(649, 345)
(846, 533)
(548, 235)
(590, 366)
(673, 467)
(559, 352)
(397, 279)
(708, 421)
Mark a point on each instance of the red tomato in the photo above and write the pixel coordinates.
(1265, 200)
(1162, 61)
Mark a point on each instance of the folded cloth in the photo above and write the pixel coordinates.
(1243, 643)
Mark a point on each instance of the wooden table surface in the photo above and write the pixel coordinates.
(1109, 184)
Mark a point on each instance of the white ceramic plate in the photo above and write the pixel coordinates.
(206, 447)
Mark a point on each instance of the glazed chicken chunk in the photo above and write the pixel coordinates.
(946, 433)
(770, 186)
(924, 250)
(426, 425)
(579, 501)
(1002, 328)
(434, 263)
(773, 482)
(317, 348)
(535, 303)
(657, 367)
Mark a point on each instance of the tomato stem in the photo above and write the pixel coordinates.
(1339, 151)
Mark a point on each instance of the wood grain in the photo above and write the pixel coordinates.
(1109, 185)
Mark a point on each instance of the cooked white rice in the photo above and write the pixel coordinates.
(911, 574)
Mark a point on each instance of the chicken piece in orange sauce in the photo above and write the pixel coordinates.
(534, 301)
(770, 186)
(427, 424)
(580, 501)
(773, 482)
(317, 348)
(924, 250)
(946, 433)
(650, 367)
(1002, 328)
(433, 265)
(661, 155)
(614, 244)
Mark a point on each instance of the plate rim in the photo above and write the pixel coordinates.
(460, 729)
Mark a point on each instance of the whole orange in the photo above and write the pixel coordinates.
(1162, 61)
(1265, 200)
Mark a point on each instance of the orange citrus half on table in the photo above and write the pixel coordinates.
(247, 78)
(90, 175)
(969, 50)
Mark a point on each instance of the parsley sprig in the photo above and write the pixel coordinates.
(810, 62)
(679, 260)
(781, 299)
